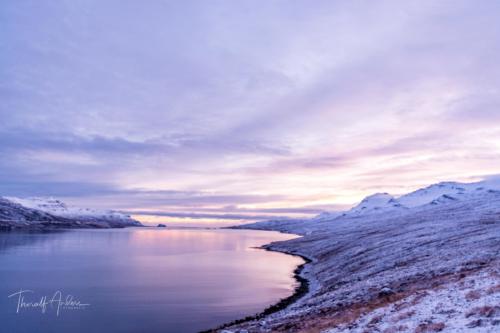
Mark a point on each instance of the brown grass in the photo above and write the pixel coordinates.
(376, 320)
(473, 295)
(418, 297)
(493, 290)
(430, 327)
(396, 329)
(487, 311)
(404, 315)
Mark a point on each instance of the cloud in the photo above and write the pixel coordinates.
(206, 216)
(270, 105)
(21, 139)
(26, 187)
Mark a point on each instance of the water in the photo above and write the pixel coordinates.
(139, 280)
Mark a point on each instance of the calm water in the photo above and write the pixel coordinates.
(139, 280)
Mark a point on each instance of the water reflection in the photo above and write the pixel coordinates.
(143, 280)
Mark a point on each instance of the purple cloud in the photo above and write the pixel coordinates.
(260, 106)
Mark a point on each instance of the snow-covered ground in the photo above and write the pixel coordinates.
(422, 249)
(471, 304)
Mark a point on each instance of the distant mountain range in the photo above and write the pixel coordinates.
(50, 212)
(385, 205)
(436, 194)
(40, 212)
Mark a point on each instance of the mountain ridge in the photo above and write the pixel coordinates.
(435, 194)
(49, 212)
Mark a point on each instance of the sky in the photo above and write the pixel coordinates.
(222, 111)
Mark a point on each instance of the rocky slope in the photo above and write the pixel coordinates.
(43, 213)
(429, 264)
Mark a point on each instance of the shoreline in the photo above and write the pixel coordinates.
(300, 291)
(390, 273)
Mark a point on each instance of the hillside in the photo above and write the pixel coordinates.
(44, 213)
(430, 265)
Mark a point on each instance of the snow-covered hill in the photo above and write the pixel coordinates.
(437, 194)
(44, 210)
(445, 190)
(12, 213)
(376, 204)
(430, 266)
(326, 216)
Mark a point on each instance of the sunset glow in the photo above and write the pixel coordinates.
(224, 112)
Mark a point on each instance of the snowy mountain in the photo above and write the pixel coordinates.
(442, 191)
(375, 204)
(44, 210)
(384, 205)
(11, 212)
(436, 194)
